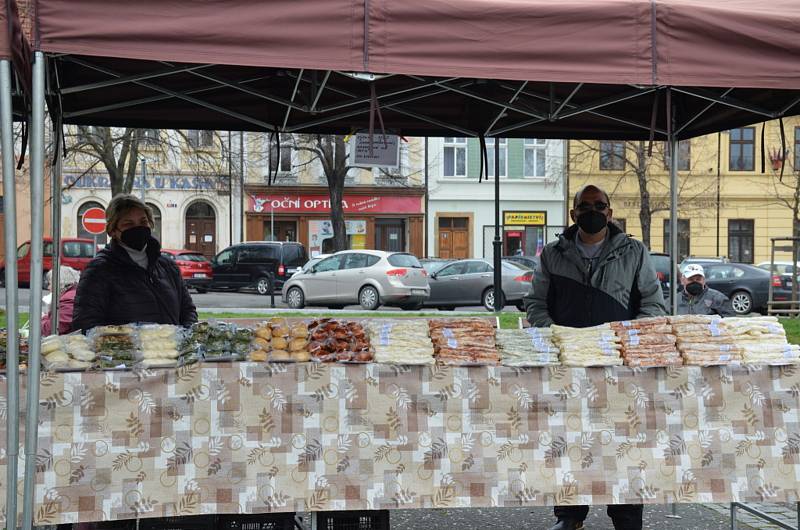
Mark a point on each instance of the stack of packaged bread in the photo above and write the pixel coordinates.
(527, 347)
(401, 342)
(647, 342)
(468, 341)
(704, 340)
(592, 346)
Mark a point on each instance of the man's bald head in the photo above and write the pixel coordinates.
(589, 188)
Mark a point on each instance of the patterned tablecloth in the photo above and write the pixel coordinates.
(247, 437)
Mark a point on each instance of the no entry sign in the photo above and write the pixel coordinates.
(94, 221)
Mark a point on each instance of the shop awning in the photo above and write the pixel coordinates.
(575, 69)
(14, 46)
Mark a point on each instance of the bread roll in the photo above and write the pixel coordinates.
(298, 345)
(258, 356)
(279, 343)
(280, 355)
(301, 356)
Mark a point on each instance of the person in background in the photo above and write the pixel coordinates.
(594, 273)
(65, 296)
(699, 299)
(129, 281)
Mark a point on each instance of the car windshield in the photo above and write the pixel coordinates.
(433, 266)
(404, 260)
(191, 257)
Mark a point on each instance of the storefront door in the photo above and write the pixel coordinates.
(453, 237)
(284, 231)
(201, 229)
(390, 235)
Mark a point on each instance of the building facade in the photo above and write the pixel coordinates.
(461, 211)
(727, 207)
(383, 208)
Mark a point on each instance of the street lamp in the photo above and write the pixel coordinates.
(143, 160)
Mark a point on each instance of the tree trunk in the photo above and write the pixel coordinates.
(336, 193)
(645, 210)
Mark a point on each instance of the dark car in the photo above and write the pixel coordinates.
(746, 285)
(470, 282)
(263, 265)
(195, 268)
(532, 262)
(662, 264)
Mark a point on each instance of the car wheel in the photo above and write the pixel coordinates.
(263, 286)
(201, 290)
(295, 298)
(742, 302)
(369, 298)
(488, 299)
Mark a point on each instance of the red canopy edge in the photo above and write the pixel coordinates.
(698, 42)
(14, 46)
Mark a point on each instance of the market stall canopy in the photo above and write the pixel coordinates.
(14, 46)
(535, 68)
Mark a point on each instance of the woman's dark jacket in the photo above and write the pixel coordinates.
(115, 290)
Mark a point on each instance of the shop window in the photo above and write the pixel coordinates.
(742, 149)
(612, 155)
(150, 138)
(282, 163)
(200, 139)
(535, 152)
(82, 210)
(684, 156)
(503, 157)
(455, 157)
(156, 220)
(741, 234)
(684, 237)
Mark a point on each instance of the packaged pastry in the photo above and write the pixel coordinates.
(335, 340)
(299, 331)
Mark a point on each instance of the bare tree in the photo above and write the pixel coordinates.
(120, 150)
(631, 159)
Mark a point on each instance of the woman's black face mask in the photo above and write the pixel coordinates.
(136, 237)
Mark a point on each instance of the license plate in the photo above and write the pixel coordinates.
(200, 275)
(418, 291)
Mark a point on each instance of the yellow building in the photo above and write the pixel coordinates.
(727, 205)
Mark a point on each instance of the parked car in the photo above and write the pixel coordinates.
(532, 262)
(746, 285)
(779, 267)
(75, 252)
(195, 268)
(263, 265)
(662, 264)
(370, 278)
(471, 282)
(701, 260)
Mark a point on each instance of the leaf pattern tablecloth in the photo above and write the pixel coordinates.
(248, 437)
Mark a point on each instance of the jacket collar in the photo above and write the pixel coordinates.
(616, 237)
(115, 251)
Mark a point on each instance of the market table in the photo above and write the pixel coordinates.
(257, 437)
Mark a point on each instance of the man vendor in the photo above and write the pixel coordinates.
(594, 273)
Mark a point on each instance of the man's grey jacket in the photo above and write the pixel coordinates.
(622, 286)
(709, 302)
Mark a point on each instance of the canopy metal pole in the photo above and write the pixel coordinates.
(497, 244)
(55, 276)
(427, 199)
(34, 339)
(12, 346)
(673, 222)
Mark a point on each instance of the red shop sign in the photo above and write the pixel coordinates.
(291, 203)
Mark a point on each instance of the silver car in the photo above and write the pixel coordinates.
(471, 282)
(370, 278)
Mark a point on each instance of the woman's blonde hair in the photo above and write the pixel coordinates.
(120, 205)
(67, 277)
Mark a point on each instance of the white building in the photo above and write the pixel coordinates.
(461, 213)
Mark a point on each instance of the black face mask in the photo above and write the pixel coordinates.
(592, 221)
(694, 288)
(136, 237)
